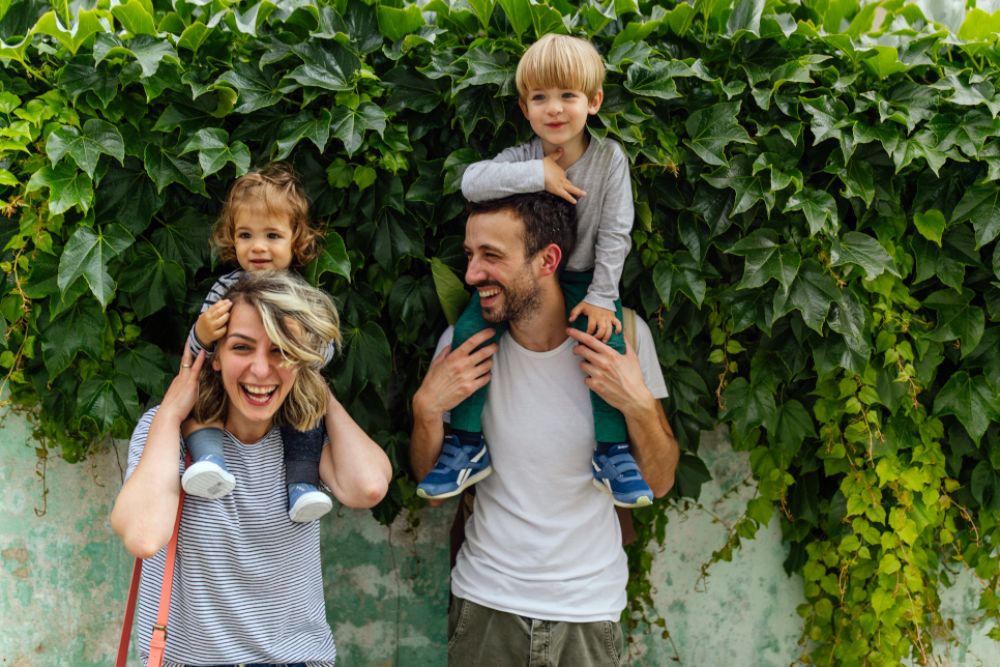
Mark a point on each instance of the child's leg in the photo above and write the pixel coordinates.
(207, 476)
(302, 453)
(467, 415)
(614, 467)
(464, 459)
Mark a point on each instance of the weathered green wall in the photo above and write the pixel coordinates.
(63, 577)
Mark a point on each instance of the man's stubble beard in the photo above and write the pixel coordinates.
(520, 301)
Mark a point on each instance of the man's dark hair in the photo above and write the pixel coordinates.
(547, 219)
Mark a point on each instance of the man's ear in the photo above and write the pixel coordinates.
(551, 256)
(594, 103)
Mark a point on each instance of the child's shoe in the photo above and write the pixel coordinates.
(208, 478)
(458, 467)
(307, 503)
(616, 472)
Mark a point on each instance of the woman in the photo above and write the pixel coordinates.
(248, 584)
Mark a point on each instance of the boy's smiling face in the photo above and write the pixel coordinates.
(558, 116)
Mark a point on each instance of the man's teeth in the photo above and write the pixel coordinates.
(486, 293)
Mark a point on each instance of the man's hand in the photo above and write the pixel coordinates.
(601, 322)
(617, 378)
(555, 178)
(454, 375)
(211, 324)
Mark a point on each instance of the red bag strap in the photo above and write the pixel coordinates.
(158, 641)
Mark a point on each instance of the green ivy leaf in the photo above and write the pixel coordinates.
(930, 224)
(165, 167)
(333, 259)
(818, 206)
(257, 89)
(77, 78)
(98, 138)
(367, 356)
(87, 254)
(106, 400)
(518, 13)
(86, 23)
(971, 400)
(330, 67)
(957, 319)
(766, 260)
(789, 426)
(812, 293)
(215, 151)
(747, 406)
(653, 80)
(980, 205)
(147, 365)
(450, 290)
(134, 17)
(863, 251)
(127, 195)
(67, 187)
(349, 125)
(396, 23)
(151, 281)
(714, 128)
(303, 126)
(148, 51)
(80, 328)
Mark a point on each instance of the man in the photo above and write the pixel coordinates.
(541, 577)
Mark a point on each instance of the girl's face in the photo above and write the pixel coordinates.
(262, 239)
(254, 375)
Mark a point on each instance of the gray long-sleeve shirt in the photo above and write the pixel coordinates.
(604, 216)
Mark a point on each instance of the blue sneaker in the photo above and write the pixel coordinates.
(208, 478)
(307, 503)
(616, 472)
(458, 467)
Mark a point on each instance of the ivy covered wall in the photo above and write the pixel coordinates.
(815, 243)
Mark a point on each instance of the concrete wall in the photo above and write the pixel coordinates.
(63, 577)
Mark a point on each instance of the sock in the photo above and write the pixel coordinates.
(467, 437)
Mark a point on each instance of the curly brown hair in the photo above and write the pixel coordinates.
(277, 187)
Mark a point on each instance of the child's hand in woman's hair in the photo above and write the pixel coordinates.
(211, 324)
(601, 322)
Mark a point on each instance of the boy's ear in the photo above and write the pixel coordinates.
(595, 102)
(522, 105)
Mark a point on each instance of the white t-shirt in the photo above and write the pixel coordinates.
(544, 541)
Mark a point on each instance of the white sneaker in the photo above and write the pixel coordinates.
(307, 503)
(208, 478)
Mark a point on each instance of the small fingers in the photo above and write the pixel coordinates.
(617, 325)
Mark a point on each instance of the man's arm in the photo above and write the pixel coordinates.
(453, 376)
(617, 378)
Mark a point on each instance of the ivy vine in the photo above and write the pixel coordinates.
(815, 246)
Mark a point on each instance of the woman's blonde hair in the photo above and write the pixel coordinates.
(276, 188)
(303, 323)
(560, 61)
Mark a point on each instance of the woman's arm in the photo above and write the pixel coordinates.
(353, 465)
(146, 507)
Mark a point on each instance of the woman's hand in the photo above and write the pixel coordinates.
(182, 393)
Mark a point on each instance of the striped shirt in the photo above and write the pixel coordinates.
(248, 582)
(216, 294)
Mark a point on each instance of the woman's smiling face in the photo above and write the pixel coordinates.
(254, 374)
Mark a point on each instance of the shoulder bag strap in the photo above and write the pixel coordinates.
(158, 641)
